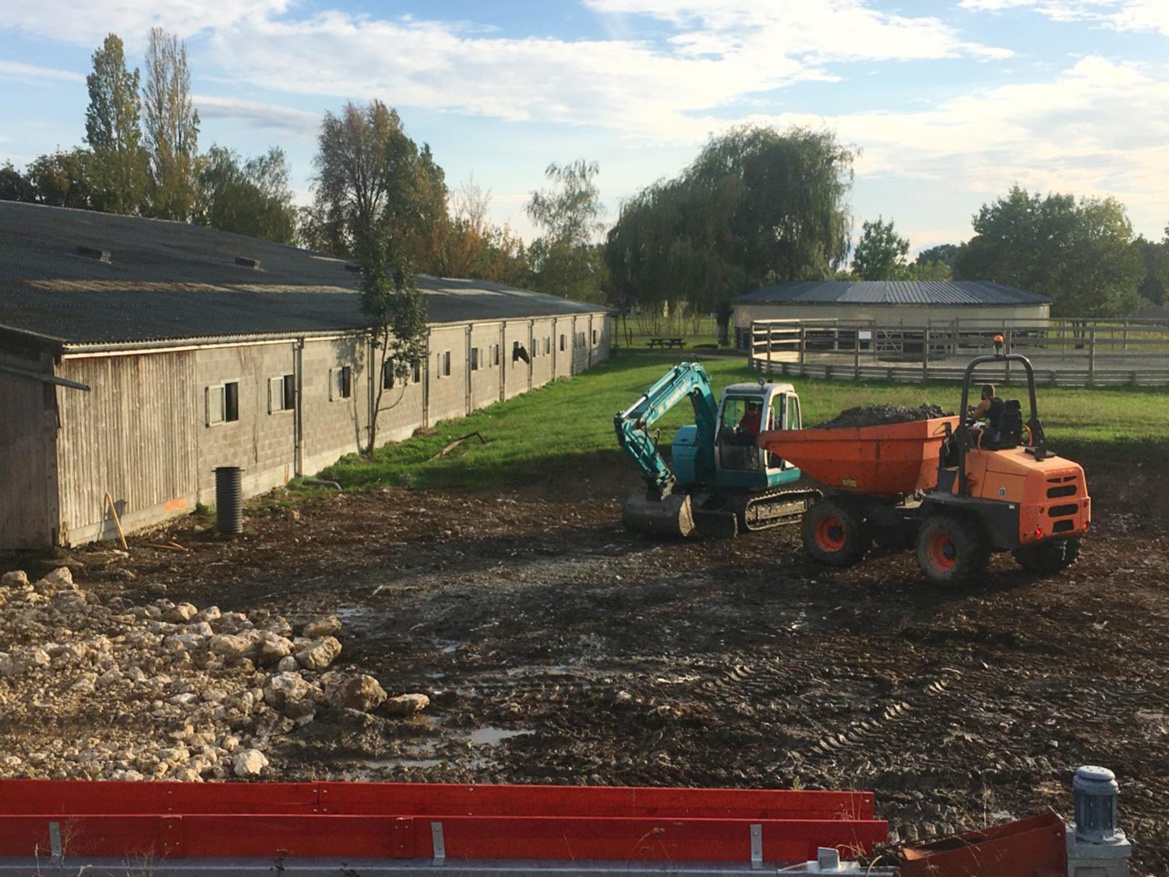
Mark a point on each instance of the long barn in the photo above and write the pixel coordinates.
(137, 356)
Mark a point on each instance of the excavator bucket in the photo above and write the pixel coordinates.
(672, 516)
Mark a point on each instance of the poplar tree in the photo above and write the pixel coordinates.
(118, 163)
(172, 128)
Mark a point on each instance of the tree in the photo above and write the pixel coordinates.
(62, 179)
(172, 128)
(15, 186)
(396, 313)
(1080, 253)
(377, 196)
(565, 258)
(250, 198)
(1155, 258)
(113, 133)
(756, 207)
(944, 254)
(372, 180)
(880, 253)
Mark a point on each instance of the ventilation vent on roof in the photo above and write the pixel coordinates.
(93, 253)
(246, 262)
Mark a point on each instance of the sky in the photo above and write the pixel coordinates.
(949, 102)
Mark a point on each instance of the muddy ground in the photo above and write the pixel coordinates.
(558, 648)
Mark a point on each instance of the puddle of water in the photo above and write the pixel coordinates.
(399, 763)
(494, 736)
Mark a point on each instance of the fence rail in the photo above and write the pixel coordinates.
(1071, 353)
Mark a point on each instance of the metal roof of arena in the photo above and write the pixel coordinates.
(893, 292)
(81, 278)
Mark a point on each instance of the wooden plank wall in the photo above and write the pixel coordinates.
(134, 435)
(27, 432)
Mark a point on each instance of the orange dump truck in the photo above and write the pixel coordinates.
(944, 487)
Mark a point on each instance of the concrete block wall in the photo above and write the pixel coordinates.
(487, 379)
(448, 397)
(332, 425)
(262, 441)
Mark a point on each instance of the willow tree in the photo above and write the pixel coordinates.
(755, 207)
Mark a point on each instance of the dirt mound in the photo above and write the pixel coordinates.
(882, 415)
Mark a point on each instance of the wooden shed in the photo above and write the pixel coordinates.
(137, 356)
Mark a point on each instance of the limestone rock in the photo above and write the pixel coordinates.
(290, 695)
(319, 654)
(249, 763)
(61, 577)
(18, 578)
(363, 693)
(230, 646)
(271, 648)
(330, 625)
(180, 613)
(406, 705)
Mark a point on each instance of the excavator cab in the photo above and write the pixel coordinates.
(745, 411)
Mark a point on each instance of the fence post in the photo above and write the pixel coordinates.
(925, 354)
(1091, 356)
(770, 344)
(803, 343)
(856, 353)
(1008, 343)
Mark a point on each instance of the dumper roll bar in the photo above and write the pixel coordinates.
(963, 435)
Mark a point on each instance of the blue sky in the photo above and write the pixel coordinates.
(950, 101)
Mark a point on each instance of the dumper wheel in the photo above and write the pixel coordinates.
(952, 549)
(1049, 557)
(835, 533)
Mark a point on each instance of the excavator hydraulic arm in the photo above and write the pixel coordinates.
(687, 379)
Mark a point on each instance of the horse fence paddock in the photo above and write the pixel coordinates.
(1066, 353)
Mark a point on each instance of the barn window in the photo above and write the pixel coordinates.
(562, 347)
(495, 354)
(388, 377)
(594, 337)
(444, 364)
(417, 371)
(281, 393)
(547, 345)
(340, 383)
(474, 359)
(222, 403)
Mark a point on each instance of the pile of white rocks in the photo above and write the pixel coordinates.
(108, 690)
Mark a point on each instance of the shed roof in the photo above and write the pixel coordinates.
(893, 292)
(169, 281)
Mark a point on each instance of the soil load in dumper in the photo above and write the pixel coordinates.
(894, 459)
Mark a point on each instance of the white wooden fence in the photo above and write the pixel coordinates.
(1070, 353)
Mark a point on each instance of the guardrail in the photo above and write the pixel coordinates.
(1072, 353)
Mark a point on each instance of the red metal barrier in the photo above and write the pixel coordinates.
(390, 820)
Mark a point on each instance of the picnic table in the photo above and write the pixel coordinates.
(668, 343)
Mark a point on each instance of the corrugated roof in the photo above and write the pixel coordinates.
(171, 281)
(893, 292)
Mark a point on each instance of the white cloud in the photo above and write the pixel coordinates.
(30, 74)
(717, 55)
(1098, 128)
(297, 122)
(86, 22)
(1130, 15)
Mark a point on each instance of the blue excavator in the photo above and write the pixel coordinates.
(718, 482)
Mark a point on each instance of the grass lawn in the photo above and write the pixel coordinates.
(565, 429)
